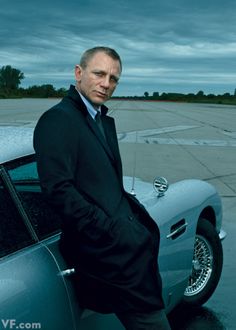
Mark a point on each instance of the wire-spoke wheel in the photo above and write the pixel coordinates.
(206, 265)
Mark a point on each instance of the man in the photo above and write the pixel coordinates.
(108, 236)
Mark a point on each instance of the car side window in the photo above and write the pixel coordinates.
(13, 232)
(44, 219)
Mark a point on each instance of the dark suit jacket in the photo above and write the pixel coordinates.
(108, 236)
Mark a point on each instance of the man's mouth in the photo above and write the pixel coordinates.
(101, 94)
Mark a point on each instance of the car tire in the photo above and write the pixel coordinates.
(207, 265)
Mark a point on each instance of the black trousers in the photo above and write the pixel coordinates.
(144, 321)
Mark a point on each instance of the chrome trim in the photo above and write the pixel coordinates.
(160, 185)
(177, 231)
(67, 272)
(222, 234)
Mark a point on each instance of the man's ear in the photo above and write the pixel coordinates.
(78, 72)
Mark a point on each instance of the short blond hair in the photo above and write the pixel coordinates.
(88, 55)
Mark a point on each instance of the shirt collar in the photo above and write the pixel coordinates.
(91, 110)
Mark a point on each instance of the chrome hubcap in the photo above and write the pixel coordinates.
(201, 266)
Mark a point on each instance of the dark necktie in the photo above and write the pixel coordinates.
(101, 128)
(99, 123)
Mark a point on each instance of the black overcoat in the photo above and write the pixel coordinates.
(108, 236)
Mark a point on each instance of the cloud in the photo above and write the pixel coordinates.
(174, 45)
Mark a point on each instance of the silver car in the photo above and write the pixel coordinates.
(36, 286)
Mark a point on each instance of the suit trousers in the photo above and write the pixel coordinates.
(144, 321)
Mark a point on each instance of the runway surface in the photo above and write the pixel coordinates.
(181, 141)
(177, 141)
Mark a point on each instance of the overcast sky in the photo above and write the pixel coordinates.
(166, 45)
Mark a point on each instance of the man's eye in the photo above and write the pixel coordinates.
(98, 74)
(114, 80)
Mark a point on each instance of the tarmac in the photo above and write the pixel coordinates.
(177, 141)
(181, 141)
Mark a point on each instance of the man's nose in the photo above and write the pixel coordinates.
(105, 82)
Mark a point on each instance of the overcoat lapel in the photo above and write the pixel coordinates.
(110, 144)
(93, 126)
(110, 131)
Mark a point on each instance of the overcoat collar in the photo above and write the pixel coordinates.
(74, 95)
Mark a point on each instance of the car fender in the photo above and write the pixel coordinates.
(177, 213)
(184, 196)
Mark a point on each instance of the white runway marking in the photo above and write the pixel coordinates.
(150, 137)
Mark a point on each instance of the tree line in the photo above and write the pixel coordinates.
(199, 97)
(10, 80)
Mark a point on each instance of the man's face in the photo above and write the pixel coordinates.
(99, 79)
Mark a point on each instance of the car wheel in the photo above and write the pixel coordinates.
(207, 265)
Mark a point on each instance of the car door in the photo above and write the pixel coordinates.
(33, 294)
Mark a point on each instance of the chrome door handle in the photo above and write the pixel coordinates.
(67, 272)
